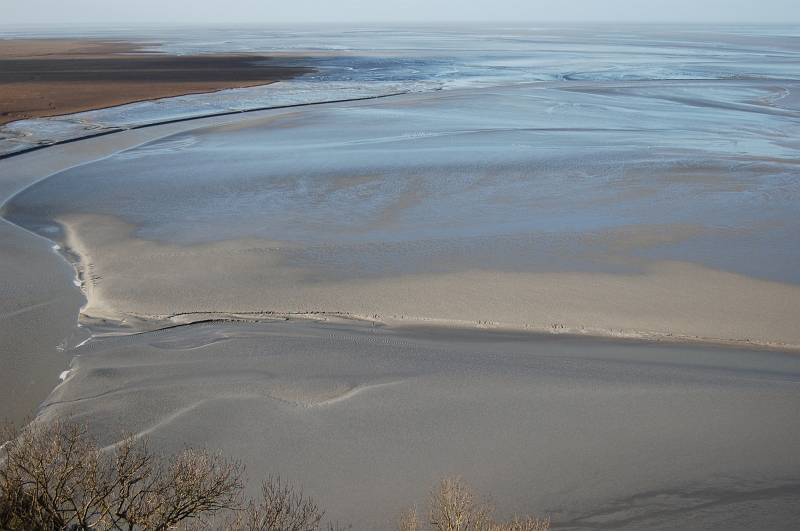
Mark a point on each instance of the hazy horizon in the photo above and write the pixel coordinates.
(252, 12)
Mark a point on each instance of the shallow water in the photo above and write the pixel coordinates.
(524, 177)
(368, 62)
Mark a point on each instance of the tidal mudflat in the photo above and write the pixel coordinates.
(565, 269)
(366, 417)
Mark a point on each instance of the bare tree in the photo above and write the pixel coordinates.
(453, 506)
(516, 524)
(281, 509)
(50, 477)
(55, 477)
(156, 494)
(409, 520)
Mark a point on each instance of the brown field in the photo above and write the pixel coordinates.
(50, 77)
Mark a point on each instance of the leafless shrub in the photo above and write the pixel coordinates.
(154, 493)
(453, 506)
(50, 478)
(409, 520)
(281, 509)
(55, 477)
(528, 524)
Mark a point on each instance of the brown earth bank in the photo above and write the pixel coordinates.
(50, 77)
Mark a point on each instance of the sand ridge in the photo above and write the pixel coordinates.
(141, 284)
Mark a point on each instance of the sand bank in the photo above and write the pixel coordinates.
(50, 77)
(140, 285)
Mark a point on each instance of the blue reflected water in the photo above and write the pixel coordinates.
(470, 55)
(593, 148)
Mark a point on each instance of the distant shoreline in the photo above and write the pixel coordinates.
(42, 78)
(101, 85)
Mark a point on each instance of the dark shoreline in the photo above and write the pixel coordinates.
(54, 77)
(113, 130)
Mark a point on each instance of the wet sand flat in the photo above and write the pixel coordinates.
(620, 281)
(50, 77)
(591, 433)
(37, 314)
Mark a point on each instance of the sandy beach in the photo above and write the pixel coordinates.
(365, 296)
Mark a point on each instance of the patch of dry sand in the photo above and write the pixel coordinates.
(142, 284)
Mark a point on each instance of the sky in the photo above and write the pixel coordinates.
(252, 12)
